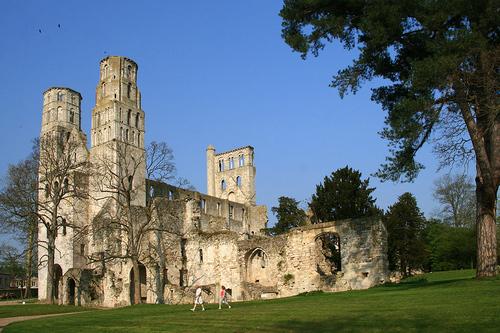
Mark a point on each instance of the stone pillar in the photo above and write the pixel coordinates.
(211, 170)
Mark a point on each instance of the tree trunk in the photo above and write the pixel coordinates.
(486, 229)
(50, 267)
(29, 260)
(160, 279)
(137, 281)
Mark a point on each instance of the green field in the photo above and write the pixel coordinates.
(36, 309)
(436, 302)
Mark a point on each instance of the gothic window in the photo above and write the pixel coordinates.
(203, 205)
(66, 185)
(218, 209)
(71, 116)
(109, 133)
(231, 163)
(238, 181)
(129, 89)
(130, 182)
(137, 120)
(170, 195)
(133, 137)
(128, 116)
(64, 227)
(60, 96)
(121, 133)
(221, 165)
(138, 139)
(241, 161)
(129, 71)
(105, 71)
(126, 135)
(201, 256)
(223, 185)
(103, 89)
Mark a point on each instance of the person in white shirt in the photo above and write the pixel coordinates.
(198, 299)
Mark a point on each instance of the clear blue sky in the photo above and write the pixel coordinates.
(210, 72)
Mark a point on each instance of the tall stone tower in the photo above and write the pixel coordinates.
(231, 175)
(61, 127)
(117, 133)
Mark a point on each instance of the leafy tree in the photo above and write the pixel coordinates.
(289, 215)
(440, 63)
(456, 195)
(450, 247)
(405, 226)
(343, 195)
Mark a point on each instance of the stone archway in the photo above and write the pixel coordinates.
(257, 263)
(142, 281)
(328, 254)
(56, 280)
(71, 291)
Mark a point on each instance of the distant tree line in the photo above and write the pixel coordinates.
(446, 241)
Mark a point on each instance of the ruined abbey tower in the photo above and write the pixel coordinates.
(213, 239)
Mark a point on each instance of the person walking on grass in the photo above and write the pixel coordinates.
(198, 299)
(223, 297)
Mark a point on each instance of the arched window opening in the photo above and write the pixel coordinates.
(328, 255)
(126, 135)
(223, 185)
(103, 89)
(138, 139)
(137, 120)
(221, 165)
(238, 181)
(129, 89)
(130, 182)
(129, 113)
(121, 133)
(203, 205)
(64, 227)
(201, 256)
(241, 160)
(60, 96)
(231, 163)
(219, 209)
(129, 71)
(105, 71)
(170, 195)
(66, 185)
(72, 116)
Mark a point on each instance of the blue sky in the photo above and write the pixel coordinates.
(213, 72)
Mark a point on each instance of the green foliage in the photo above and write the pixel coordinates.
(289, 215)
(287, 278)
(447, 302)
(450, 247)
(343, 195)
(439, 58)
(405, 226)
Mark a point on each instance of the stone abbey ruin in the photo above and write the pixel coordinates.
(200, 239)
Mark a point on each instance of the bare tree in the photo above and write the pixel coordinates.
(62, 174)
(456, 195)
(18, 208)
(130, 214)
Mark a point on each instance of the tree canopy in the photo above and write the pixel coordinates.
(405, 226)
(289, 215)
(439, 63)
(343, 195)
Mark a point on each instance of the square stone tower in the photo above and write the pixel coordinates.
(231, 174)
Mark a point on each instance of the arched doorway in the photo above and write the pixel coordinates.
(142, 281)
(71, 288)
(328, 259)
(57, 271)
(257, 263)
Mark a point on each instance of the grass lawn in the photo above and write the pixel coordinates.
(36, 309)
(436, 302)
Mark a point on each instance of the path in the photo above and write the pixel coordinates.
(6, 321)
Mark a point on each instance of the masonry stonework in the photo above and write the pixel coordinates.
(208, 239)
